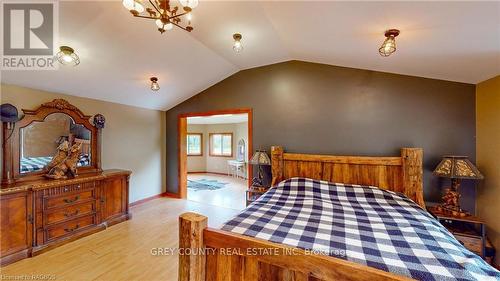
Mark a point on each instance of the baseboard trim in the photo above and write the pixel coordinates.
(215, 173)
(142, 201)
(171, 195)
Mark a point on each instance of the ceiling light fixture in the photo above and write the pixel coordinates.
(164, 15)
(389, 45)
(237, 47)
(67, 56)
(154, 84)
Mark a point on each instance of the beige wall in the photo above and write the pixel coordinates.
(488, 156)
(207, 163)
(133, 139)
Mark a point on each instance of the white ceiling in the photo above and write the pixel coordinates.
(456, 41)
(218, 119)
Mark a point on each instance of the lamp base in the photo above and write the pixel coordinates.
(450, 204)
(257, 182)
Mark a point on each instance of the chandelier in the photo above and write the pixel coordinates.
(165, 16)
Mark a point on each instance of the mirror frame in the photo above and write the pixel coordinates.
(12, 146)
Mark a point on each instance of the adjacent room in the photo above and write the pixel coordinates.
(189, 140)
(217, 159)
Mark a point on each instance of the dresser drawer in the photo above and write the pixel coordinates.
(64, 200)
(70, 227)
(70, 212)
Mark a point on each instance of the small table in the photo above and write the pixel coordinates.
(254, 192)
(468, 230)
(234, 167)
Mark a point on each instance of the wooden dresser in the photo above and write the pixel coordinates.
(40, 215)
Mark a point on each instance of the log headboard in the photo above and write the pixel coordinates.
(400, 174)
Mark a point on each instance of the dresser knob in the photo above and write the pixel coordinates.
(72, 229)
(71, 200)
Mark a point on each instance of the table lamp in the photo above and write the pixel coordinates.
(455, 168)
(260, 158)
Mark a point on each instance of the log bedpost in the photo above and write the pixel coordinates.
(276, 164)
(412, 159)
(192, 262)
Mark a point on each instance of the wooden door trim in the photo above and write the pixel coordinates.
(181, 139)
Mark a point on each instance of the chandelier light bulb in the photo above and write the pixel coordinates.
(237, 46)
(189, 16)
(159, 23)
(133, 6)
(168, 26)
(154, 84)
(389, 45)
(189, 3)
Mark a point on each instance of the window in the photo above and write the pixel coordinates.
(194, 144)
(221, 144)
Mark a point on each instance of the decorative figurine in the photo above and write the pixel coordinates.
(67, 168)
(62, 153)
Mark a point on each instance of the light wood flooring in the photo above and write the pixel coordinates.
(232, 195)
(123, 251)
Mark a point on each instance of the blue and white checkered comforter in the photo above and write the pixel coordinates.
(362, 224)
(31, 164)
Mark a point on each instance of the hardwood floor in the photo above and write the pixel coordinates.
(232, 195)
(123, 251)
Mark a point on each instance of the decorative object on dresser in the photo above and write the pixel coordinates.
(9, 115)
(260, 158)
(37, 213)
(66, 168)
(455, 168)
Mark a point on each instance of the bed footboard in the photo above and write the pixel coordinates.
(211, 254)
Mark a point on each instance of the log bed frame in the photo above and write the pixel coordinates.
(212, 254)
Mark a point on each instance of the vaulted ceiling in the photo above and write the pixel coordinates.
(456, 41)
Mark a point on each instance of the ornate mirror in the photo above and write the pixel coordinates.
(39, 134)
(40, 141)
(240, 153)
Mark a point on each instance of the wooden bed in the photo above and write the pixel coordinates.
(212, 254)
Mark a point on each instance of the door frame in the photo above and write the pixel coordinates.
(182, 142)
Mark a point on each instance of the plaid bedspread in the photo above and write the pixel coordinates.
(31, 164)
(366, 225)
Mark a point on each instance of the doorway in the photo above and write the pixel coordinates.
(214, 149)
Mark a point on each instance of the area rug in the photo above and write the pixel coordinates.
(205, 184)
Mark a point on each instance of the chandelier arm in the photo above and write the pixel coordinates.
(154, 6)
(146, 17)
(180, 26)
(179, 15)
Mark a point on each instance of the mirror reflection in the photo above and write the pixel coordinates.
(40, 141)
(240, 154)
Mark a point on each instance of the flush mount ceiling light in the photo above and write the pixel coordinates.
(389, 45)
(154, 84)
(67, 56)
(164, 15)
(237, 47)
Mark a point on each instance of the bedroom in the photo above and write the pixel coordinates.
(314, 87)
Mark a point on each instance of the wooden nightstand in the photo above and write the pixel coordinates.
(469, 230)
(254, 192)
